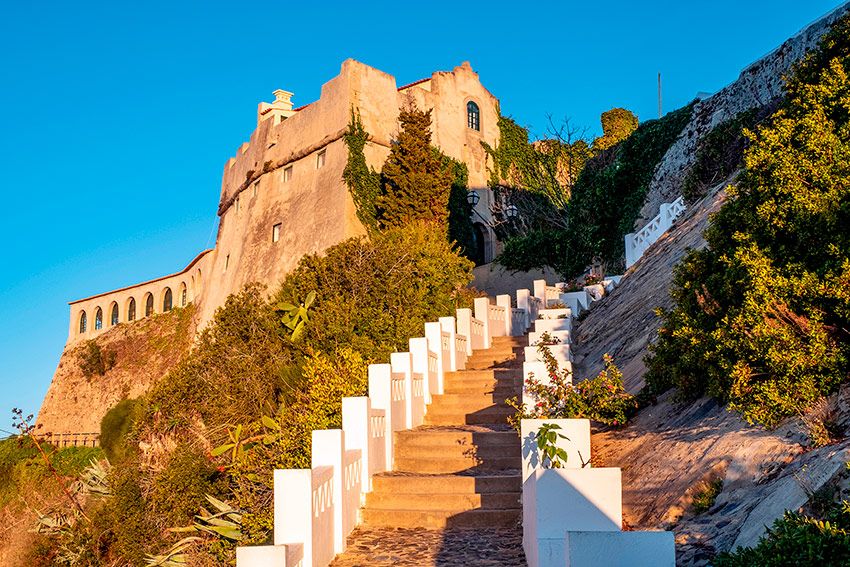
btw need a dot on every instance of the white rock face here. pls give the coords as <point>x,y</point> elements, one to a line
<point>758,85</point>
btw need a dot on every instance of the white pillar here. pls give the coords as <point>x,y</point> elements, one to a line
<point>293,509</point>
<point>464,327</point>
<point>447,324</point>
<point>400,363</point>
<point>482,307</point>
<point>419,364</point>
<point>540,291</point>
<point>355,424</point>
<point>380,392</point>
<point>433,333</point>
<point>505,301</point>
<point>328,451</point>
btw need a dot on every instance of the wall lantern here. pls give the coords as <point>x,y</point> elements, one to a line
<point>472,198</point>
<point>512,212</point>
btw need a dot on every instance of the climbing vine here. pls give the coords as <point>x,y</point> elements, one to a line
<point>363,182</point>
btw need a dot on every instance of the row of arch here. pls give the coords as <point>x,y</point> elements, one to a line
<point>130,311</point>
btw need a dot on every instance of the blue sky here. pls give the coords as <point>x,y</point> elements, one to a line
<point>117,118</point>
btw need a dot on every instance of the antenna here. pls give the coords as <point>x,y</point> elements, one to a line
<point>659,94</point>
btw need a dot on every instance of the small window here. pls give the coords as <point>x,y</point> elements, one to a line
<point>473,116</point>
<point>276,232</point>
<point>183,296</point>
<point>287,173</point>
<point>98,319</point>
<point>113,316</point>
<point>167,300</point>
<point>131,310</point>
<point>226,262</point>
<point>320,159</point>
<point>149,305</point>
<point>84,322</point>
<point>237,204</point>
<point>257,184</point>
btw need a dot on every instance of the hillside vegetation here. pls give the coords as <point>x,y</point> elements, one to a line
<point>761,315</point>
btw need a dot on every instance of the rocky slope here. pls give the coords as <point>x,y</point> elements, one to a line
<point>144,352</point>
<point>758,85</point>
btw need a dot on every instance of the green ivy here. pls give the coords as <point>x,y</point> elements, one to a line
<point>363,182</point>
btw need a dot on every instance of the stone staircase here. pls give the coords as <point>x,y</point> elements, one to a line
<point>461,469</point>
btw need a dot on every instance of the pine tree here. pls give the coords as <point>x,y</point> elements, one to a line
<point>414,184</point>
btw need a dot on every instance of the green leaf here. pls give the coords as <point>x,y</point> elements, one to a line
<point>311,297</point>
<point>218,451</point>
<point>270,423</point>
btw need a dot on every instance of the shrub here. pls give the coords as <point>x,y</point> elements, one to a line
<point>706,495</point>
<point>760,316</point>
<point>617,125</point>
<point>115,426</point>
<point>373,295</point>
<point>95,361</point>
<point>178,491</point>
<point>797,539</point>
<point>602,398</point>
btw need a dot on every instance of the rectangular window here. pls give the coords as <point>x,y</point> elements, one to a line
<point>226,262</point>
<point>237,204</point>
<point>257,184</point>
<point>276,232</point>
<point>320,159</point>
<point>287,174</point>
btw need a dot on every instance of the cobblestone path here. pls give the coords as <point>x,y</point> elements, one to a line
<point>409,547</point>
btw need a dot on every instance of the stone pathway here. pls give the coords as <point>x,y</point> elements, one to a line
<point>452,498</point>
<point>417,547</point>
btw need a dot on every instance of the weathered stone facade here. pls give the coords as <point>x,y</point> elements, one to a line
<point>282,194</point>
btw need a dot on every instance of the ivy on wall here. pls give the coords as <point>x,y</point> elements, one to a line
<point>363,182</point>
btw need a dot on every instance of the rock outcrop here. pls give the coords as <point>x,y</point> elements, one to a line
<point>758,85</point>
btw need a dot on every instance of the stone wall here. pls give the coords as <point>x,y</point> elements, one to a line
<point>758,85</point>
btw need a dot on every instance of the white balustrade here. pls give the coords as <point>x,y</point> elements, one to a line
<point>303,512</point>
<point>419,365</point>
<point>504,301</point>
<point>434,335</point>
<point>461,347</point>
<point>357,427</point>
<point>473,329</point>
<point>482,308</point>
<point>380,393</point>
<point>449,330</point>
<point>637,242</point>
<point>329,451</point>
<point>534,337</point>
<point>403,370</point>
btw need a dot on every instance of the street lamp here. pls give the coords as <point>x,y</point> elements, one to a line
<point>512,212</point>
<point>472,198</point>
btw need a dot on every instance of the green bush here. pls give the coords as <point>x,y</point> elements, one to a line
<point>115,426</point>
<point>797,539</point>
<point>760,315</point>
<point>602,398</point>
<point>373,295</point>
<point>177,492</point>
<point>94,360</point>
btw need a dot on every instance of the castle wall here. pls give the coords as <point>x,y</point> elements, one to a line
<point>189,279</point>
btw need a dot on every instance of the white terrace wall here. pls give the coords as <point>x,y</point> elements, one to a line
<point>638,242</point>
<point>133,303</point>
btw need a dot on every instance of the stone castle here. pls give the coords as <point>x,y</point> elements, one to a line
<point>282,194</point>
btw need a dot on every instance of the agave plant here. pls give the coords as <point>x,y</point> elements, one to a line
<point>295,317</point>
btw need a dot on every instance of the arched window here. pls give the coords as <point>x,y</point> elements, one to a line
<point>473,116</point>
<point>84,322</point>
<point>98,319</point>
<point>149,305</point>
<point>166,300</point>
<point>131,309</point>
<point>184,295</point>
<point>113,316</point>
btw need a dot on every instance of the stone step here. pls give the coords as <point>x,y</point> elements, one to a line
<point>446,483</point>
<point>487,363</point>
<point>456,437</point>
<point>440,519</point>
<point>513,341</point>
<point>508,389</point>
<point>435,463</point>
<point>475,454</point>
<point>423,502</point>
<point>484,374</point>
<point>470,402</point>
<point>496,415</point>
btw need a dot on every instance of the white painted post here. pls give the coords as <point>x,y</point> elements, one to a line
<point>540,290</point>
<point>293,509</point>
<point>482,306</point>
<point>328,451</point>
<point>505,301</point>
<point>419,364</point>
<point>523,301</point>
<point>355,424</point>
<point>401,364</point>
<point>464,327</point>
<point>447,324</point>
<point>380,392</point>
<point>434,335</point>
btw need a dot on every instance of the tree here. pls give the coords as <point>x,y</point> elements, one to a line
<point>617,125</point>
<point>414,184</point>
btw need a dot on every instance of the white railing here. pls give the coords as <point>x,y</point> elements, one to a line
<point>638,242</point>
<point>315,509</point>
